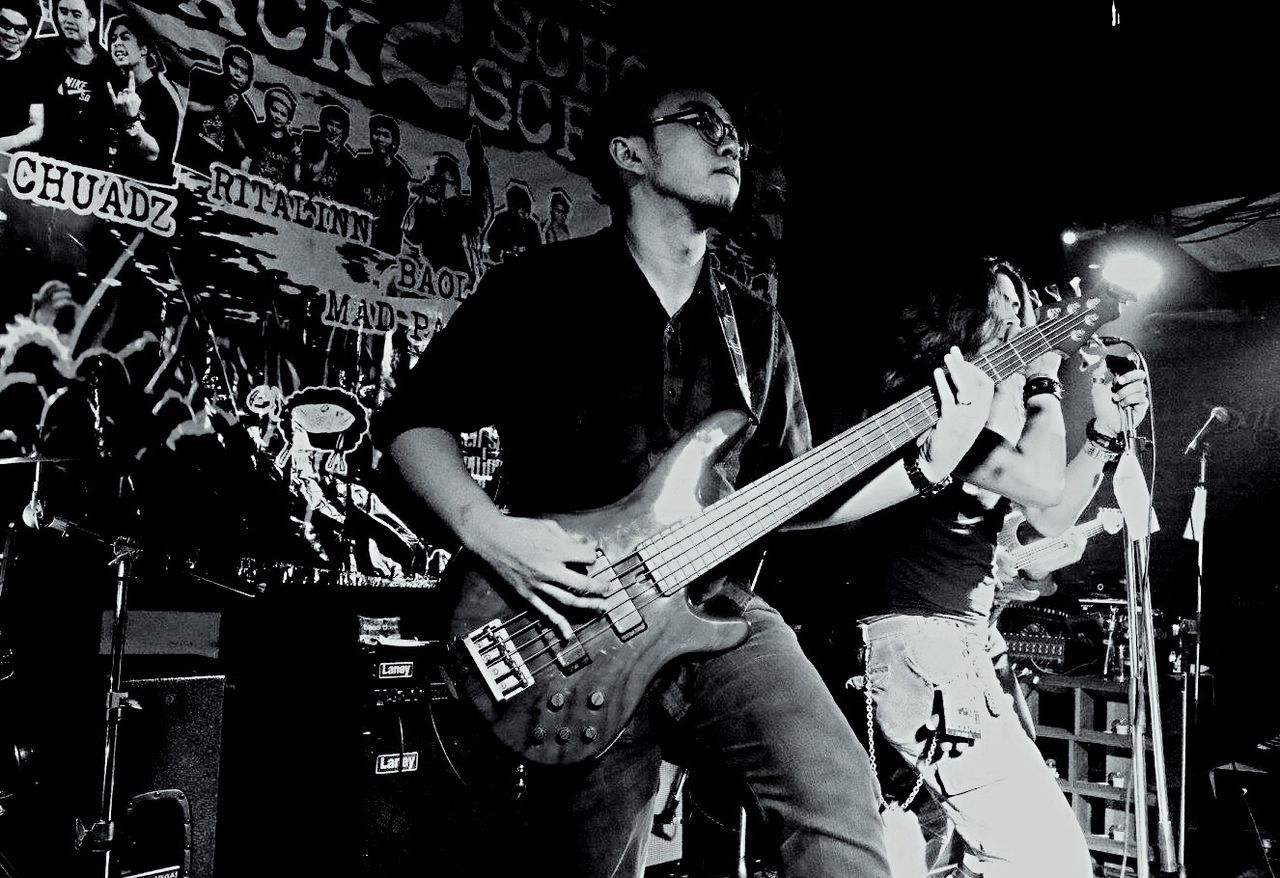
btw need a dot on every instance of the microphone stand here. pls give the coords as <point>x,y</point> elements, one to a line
<point>1203,485</point>
<point>1191,713</point>
<point>1144,686</point>
<point>99,835</point>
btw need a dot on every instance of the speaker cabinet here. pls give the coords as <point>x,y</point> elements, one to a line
<point>168,779</point>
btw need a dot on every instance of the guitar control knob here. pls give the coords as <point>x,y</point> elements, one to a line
<point>562,734</point>
<point>556,701</point>
<point>539,734</point>
<point>589,733</point>
<point>596,700</point>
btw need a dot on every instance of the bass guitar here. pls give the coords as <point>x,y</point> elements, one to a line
<point>554,702</point>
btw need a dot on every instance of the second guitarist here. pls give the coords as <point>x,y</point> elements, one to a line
<point>927,673</point>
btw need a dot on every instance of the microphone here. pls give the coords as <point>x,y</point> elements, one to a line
<point>33,513</point>
<point>1217,413</point>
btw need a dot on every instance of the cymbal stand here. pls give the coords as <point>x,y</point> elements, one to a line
<point>98,836</point>
<point>1144,689</point>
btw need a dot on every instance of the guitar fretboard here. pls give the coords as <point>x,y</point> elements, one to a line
<point>687,549</point>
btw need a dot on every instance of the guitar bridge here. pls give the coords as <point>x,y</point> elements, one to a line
<point>504,670</point>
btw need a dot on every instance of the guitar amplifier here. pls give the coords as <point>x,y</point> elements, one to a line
<point>1048,651</point>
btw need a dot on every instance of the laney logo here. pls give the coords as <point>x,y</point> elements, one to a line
<point>166,872</point>
<point>394,669</point>
<point>395,763</point>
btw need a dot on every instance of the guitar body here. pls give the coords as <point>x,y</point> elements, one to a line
<point>557,703</point>
<point>579,697</point>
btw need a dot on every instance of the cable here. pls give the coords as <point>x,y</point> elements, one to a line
<point>444,749</point>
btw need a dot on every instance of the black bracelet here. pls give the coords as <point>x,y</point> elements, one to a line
<point>1114,444</point>
<point>1041,384</point>
<point>919,480</point>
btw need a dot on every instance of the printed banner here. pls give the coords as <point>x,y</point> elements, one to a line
<point>230,226</point>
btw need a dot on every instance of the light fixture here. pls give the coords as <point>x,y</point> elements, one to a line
<point>1132,271</point>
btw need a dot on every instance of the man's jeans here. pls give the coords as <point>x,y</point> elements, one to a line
<point>760,711</point>
<point>998,792</point>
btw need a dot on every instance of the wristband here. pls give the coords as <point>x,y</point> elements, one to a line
<point>1113,444</point>
<point>1097,452</point>
<point>919,480</point>
<point>1041,384</point>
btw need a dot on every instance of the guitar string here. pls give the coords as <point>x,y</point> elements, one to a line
<point>1004,360</point>
<point>1042,548</point>
<point>604,628</point>
<point>996,361</point>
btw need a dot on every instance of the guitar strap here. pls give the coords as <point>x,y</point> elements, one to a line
<point>729,328</point>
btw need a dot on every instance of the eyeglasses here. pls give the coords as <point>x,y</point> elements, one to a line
<point>708,123</point>
<point>18,30</point>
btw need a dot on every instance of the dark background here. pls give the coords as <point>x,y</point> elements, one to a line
<point>907,133</point>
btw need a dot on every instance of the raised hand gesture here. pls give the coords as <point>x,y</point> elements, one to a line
<point>126,101</point>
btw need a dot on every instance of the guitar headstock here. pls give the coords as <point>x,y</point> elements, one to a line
<point>1068,317</point>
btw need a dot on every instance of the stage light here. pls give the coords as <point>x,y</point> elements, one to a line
<point>1133,272</point>
<point>1070,236</point>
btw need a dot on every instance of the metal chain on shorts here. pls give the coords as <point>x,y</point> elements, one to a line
<point>871,755</point>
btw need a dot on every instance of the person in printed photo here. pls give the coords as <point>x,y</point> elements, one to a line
<point>21,104</point>
<point>79,112</point>
<point>146,106</point>
<point>220,121</point>
<point>275,152</point>
<point>324,157</point>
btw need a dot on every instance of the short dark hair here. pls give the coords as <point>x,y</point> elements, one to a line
<point>237,51</point>
<point>141,34</point>
<point>386,123</point>
<point>624,111</point>
<point>517,196</point>
<point>93,7</point>
<point>446,164</point>
<point>336,112</point>
<point>28,9</point>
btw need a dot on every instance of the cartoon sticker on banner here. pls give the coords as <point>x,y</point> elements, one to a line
<point>265,403</point>
<point>322,425</point>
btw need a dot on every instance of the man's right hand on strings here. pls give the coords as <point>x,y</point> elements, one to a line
<point>537,557</point>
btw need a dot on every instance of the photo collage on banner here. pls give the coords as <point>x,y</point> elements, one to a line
<point>230,226</point>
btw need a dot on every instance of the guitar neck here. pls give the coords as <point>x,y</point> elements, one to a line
<point>689,548</point>
<point>1041,548</point>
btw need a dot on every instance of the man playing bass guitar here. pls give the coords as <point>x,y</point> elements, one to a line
<point>593,357</point>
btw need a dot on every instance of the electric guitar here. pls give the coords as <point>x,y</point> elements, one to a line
<point>1026,554</point>
<point>554,702</point>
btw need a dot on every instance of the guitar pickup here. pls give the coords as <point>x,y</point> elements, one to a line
<point>625,615</point>
<point>498,661</point>
<point>570,655</point>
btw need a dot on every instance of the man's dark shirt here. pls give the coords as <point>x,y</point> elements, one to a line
<point>444,230</point>
<point>383,190</point>
<point>337,164</point>
<point>78,110</point>
<point>19,89</point>
<point>570,354</point>
<point>159,114</point>
<point>210,136</point>
<point>273,157</point>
